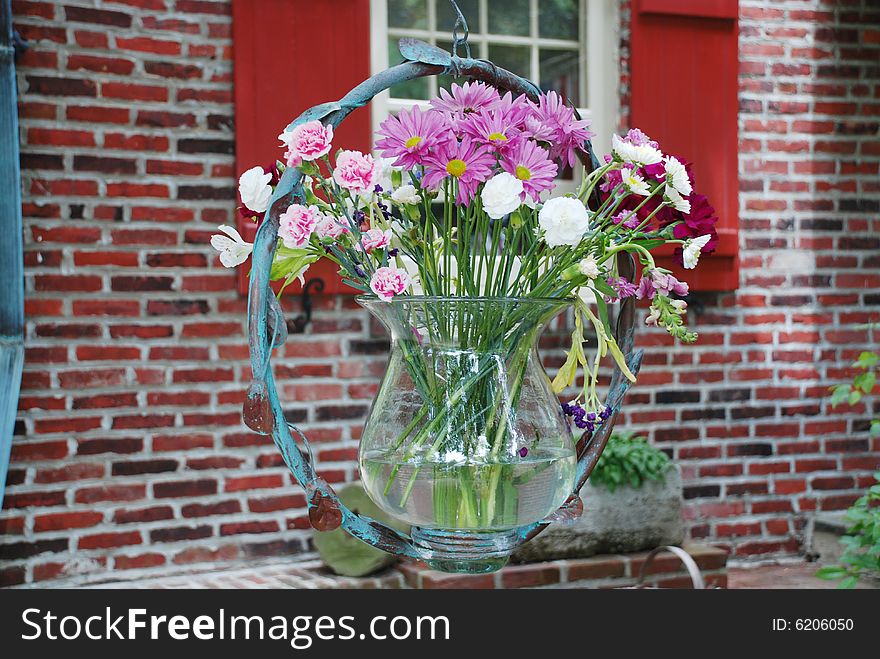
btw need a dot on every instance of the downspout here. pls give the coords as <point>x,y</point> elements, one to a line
<point>11,262</point>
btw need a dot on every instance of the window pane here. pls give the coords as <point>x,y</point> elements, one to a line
<point>559,19</point>
<point>446,17</point>
<point>513,58</point>
<point>417,88</point>
<point>408,13</point>
<point>560,71</point>
<point>509,17</point>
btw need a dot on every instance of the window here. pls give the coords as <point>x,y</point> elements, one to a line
<point>566,45</point>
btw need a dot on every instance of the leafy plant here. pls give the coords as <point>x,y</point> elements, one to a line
<point>629,460</point>
<point>861,553</point>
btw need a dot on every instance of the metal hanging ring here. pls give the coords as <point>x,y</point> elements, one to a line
<point>460,21</point>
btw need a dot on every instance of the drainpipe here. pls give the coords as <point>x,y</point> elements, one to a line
<point>11,266</point>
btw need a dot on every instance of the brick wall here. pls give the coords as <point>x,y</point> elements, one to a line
<point>745,411</point>
<point>129,453</point>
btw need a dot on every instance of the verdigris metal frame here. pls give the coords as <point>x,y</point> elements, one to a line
<point>262,409</point>
<point>11,260</point>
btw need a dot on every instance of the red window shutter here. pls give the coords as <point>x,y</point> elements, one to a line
<point>684,69</point>
<point>288,56</point>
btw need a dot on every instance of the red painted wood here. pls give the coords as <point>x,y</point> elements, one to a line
<point>684,95</point>
<point>289,56</point>
<point>703,8</point>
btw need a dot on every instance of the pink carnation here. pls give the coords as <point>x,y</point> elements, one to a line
<point>296,224</point>
<point>356,172</point>
<point>329,227</point>
<point>388,282</point>
<point>375,239</point>
<point>308,141</point>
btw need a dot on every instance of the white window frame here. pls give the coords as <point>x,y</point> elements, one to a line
<point>602,69</point>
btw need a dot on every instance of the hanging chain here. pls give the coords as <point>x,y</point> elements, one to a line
<point>457,40</point>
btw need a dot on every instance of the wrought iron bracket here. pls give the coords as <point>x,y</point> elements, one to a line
<point>298,324</point>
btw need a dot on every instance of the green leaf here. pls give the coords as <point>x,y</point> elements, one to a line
<point>288,261</point>
<point>831,572</point>
<point>602,286</point>
<point>849,582</point>
<point>865,381</point>
<point>854,397</point>
<point>648,244</point>
<point>602,307</point>
<point>875,428</point>
<point>867,360</point>
<point>839,394</point>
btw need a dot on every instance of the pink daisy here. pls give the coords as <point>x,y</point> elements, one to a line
<point>551,116</point>
<point>465,99</point>
<point>515,108</point>
<point>492,128</point>
<point>411,134</point>
<point>466,162</point>
<point>532,165</point>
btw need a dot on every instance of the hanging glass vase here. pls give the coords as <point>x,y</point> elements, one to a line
<point>465,436</point>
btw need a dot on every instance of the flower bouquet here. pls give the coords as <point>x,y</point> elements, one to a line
<point>461,247</point>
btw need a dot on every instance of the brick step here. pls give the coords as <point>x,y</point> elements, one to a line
<point>602,571</point>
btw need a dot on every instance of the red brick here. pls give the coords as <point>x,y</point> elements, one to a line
<point>139,561</point>
<point>64,521</point>
<point>253,483</point>
<point>109,540</point>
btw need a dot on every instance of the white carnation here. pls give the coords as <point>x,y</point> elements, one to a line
<point>564,221</point>
<point>501,195</point>
<point>676,176</point>
<point>643,154</point>
<point>588,267</point>
<point>254,189</point>
<point>406,194</point>
<point>692,250</point>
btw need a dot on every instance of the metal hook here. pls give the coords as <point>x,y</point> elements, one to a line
<point>298,325</point>
<point>460,21</point>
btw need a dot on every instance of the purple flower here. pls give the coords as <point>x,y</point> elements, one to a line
<point>656,170</point>
<point>638,138</point>
<point>492,128</point>
<point>411,134</point>
<point>464,100</point>
<point>465,162</point>
<point>515,108</point>
<point>627,218</point>
<point>654,282</point>
<point>523,452</point>
<point>699,222</point>
<point>622,286</point>
<point>557,125</point>
<point>530,164</point>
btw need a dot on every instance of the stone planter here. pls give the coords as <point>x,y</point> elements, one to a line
<point>626,520</point>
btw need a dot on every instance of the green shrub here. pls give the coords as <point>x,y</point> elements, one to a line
<point>629,460</point>
<point>861,554</point>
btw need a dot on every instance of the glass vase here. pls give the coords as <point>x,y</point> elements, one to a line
<point>466,440</point>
